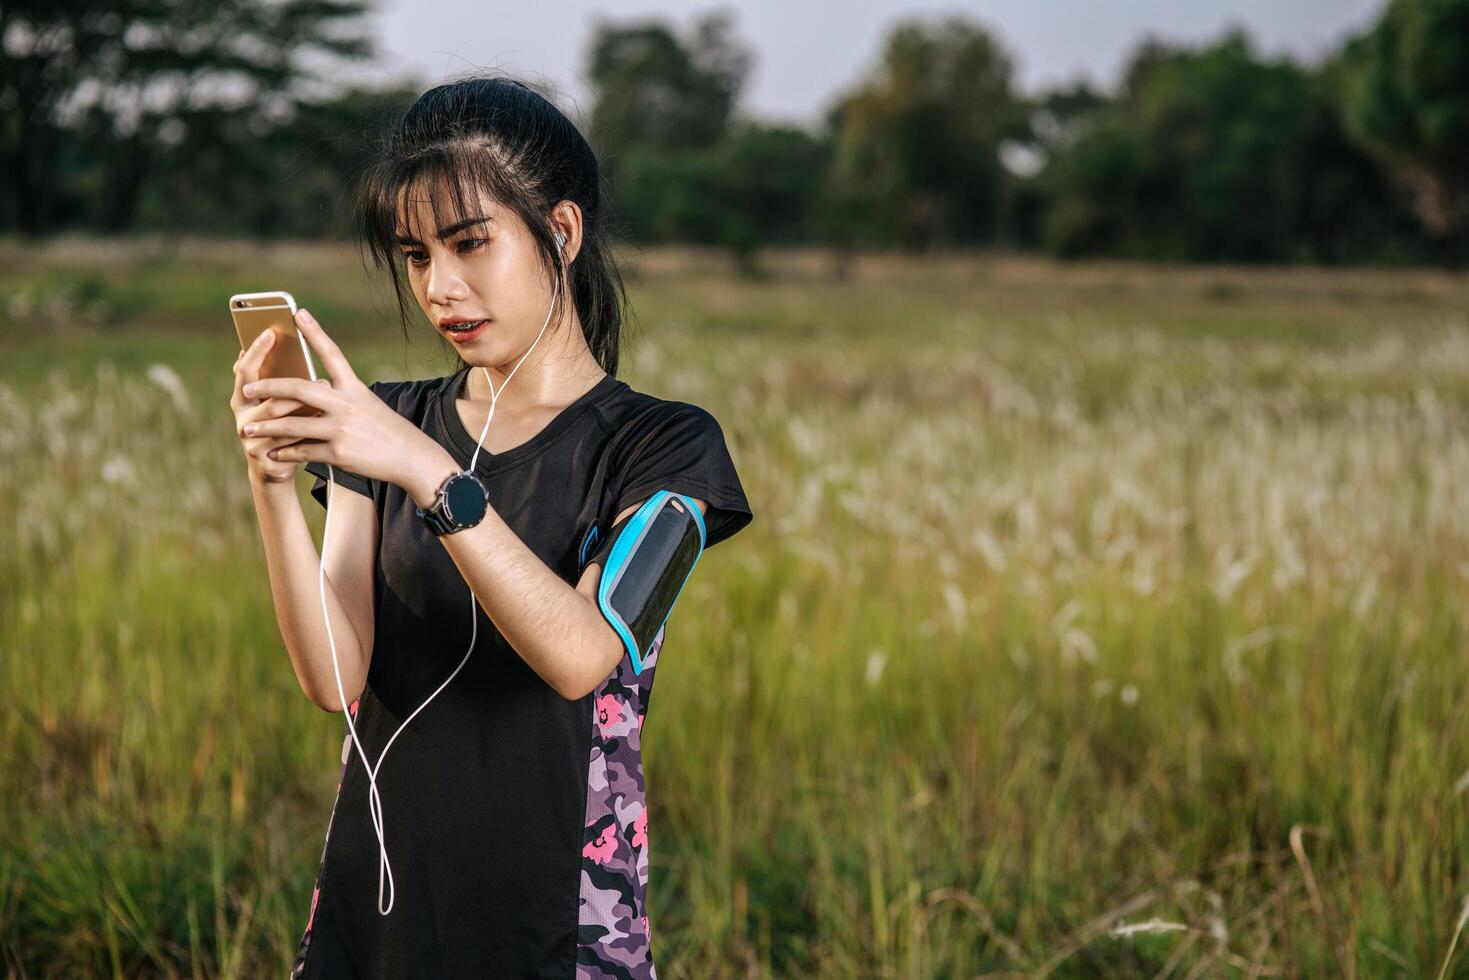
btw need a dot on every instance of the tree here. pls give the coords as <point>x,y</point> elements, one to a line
<point>292,178</point>
<point>656,92</point>
<point>1213,153</point>
<point>125,78</point>
<point>1060,115</point>
<point>917,145</point>
<point>1404,92</point>
<point>754,186</point>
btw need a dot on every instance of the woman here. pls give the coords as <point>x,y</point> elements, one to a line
<point>513,804</point>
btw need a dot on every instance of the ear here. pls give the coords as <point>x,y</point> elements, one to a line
<point>566,220</point>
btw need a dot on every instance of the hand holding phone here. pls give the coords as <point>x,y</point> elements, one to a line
<point>254,314</point>
<point>351,428</point>
<point>246,410</point>
<point>270,347</point>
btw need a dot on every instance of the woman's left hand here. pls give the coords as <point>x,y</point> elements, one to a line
<point>356,429</point>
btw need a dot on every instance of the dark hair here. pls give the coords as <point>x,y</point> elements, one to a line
<point>496,134</point>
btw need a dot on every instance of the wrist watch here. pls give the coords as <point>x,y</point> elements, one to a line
<point>461,503</point>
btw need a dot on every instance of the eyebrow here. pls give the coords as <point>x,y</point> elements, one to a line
<point>444,233</point>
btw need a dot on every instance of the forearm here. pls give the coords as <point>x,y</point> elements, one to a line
<point>293,565</point>
<point>553,627</point>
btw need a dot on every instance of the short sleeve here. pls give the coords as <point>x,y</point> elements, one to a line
<point>345,479</point>
<point>685,452</point>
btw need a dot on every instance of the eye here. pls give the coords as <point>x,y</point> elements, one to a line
<point>471,243</point>
<point>416,257</point>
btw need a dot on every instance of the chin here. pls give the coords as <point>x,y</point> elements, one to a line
<point>487,356</point>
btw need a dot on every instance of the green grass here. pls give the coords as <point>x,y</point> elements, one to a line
<point>1077,598</point>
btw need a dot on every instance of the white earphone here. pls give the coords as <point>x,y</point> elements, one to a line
<point>374,800</point>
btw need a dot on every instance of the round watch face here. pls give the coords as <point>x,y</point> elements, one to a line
<point>464,500</point>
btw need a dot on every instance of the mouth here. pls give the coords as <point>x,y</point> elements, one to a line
<point>462,332</point>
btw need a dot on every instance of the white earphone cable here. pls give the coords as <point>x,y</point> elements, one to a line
<point>374,802</point>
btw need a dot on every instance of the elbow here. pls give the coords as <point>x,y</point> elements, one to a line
<point>328,701</point>
<point>576,689</point>
<point>573,694</point>
<point>579,687</point>
<point>601,658</point>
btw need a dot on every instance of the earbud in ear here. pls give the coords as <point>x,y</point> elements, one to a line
<point>560,240</point>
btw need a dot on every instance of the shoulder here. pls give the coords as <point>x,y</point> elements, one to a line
<point>668,444</point>
<point>636,417</point>
<point>646,433</point>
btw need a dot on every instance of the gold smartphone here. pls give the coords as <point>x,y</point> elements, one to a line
<point>255,313</point>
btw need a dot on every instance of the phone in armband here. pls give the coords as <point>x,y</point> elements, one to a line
<point>649,557</point>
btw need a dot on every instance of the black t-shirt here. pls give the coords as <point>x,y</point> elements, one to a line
<point>516,821</point>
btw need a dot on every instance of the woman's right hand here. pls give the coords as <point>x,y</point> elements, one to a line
<point>262,468</point>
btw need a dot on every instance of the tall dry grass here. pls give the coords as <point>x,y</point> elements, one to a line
<point>1099,620</point>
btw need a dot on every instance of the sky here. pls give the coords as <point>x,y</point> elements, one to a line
<point>807,51</point>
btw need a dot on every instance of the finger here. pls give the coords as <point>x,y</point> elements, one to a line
<point>259,447</point>
<point>299,452</point>
<point>255,356</point>
<point>240,357</point>
<point>331,355</point>
<point>304,391</point>
<point>268,409</point>
<point>294,426</point>
<point>260,346</point>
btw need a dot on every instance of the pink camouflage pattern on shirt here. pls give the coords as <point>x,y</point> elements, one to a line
<point>614,938</point>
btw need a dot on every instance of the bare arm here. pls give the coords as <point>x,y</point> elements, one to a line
<point>295,587</point>
<point>291,559</point>
<point>557,629</point>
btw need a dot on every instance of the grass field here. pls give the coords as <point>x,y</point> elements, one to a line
<point>1096,620</point>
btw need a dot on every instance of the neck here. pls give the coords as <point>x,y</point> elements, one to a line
<point>558,370</point>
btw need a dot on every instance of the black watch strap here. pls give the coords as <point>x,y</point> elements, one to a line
<point>437,521</point>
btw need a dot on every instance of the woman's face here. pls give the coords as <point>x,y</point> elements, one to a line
<point>479,266</point>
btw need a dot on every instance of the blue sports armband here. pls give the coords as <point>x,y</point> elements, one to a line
<point>649,557</point>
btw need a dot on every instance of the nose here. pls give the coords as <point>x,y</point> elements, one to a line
<point>444,284</point>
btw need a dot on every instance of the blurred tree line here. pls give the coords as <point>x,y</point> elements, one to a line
<point>222,117</point>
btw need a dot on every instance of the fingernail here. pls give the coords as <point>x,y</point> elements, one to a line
<point>250,429</point>
<point>306,315</point>
<point>249,390</point>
